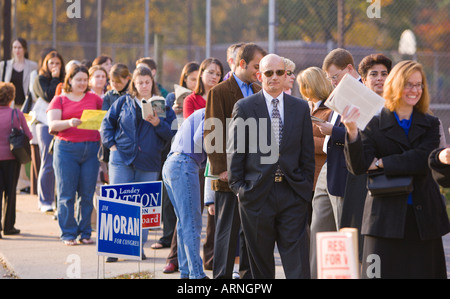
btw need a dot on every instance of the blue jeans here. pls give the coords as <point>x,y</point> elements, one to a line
<point>46,178</point>
<point>120,173</point>
<point>180,175</point>
<point>76,169</point>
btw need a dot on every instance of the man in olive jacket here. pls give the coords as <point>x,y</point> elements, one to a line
<point>219,106</point>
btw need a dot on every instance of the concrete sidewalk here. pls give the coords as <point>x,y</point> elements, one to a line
<point>38,253</point>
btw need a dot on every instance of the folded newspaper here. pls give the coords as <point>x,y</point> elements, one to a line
<point>350,92</point>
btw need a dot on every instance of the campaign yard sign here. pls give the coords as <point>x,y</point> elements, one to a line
<point>119,229</point>
<point>337,254</point>
<point>148,194</point>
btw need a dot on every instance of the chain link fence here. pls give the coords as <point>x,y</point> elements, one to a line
<point>305,31</point>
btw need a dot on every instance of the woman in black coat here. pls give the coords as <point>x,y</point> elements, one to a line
<point>403,233</point>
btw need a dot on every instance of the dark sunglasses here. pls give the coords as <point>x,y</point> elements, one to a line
<point>279,73</point>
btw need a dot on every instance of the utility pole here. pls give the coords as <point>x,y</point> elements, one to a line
<point>6,29</point>
<point>272,26</point>
<point>341,24</point>
<point>208,28</point>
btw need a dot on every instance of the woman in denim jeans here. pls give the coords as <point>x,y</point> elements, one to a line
<point>74,156</point>
<point>136,144</point>
<point>181,178</point>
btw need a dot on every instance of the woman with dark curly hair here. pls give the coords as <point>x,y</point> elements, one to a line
<point>9,167</point>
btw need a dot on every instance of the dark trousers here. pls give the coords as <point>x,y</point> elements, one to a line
<point>9,175</point>
<point>282,219</point>
<point>226,238</point>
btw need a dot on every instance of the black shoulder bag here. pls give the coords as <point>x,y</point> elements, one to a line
<point>19,143</point>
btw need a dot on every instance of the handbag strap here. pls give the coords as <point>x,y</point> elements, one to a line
<point>14,111</point>
<point>4,70</point>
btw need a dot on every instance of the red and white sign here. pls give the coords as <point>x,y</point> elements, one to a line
<point>337,255</point>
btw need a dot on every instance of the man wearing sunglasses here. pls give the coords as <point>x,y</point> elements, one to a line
<point>219,106</point>
<point>273,196</point>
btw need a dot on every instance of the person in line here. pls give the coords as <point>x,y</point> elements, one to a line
<point>106,62</point>
<point>51,74</point>
<point>231,59</point>
<point>120,78</point>
<point>290,73</point>
<point>35,153</point>
<point>188,80</point>
<point>439,162</point>
<point>75,156</point>
<point>219,106</point>
<point>151,63</point>
<point>210,74</point>
<point>136,144</point>
<point>273,196</point>
<point>97,80</point>
<point>404,231</point>
<point>181,173</point>
<point>9,167</point>
<point>374,70</point>
<point>17,71</point>
<point>316,88</point>
<point>331,183</point>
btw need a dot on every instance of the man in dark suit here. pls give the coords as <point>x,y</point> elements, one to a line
<point>219,106</point>
<point>273,186</point>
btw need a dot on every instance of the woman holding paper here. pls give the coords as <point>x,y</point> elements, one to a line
<point>136,143</point>
<point>75,156</point>
<point>402,232</point>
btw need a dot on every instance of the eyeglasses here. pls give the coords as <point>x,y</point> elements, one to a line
<point>335,77</point>
<point>290,73</point>
<point>279,73</point>
<point>418,86</point>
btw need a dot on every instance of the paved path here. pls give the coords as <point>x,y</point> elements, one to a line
<point>37,252</point>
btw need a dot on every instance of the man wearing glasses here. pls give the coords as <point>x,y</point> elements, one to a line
<point>331,184</point>
<point>273,196</point>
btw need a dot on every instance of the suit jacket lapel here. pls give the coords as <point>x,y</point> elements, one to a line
<point>389,124</point>
<point>235,90</point>
<point>289,115</point>
<point>261,112</point>
<point>418,125</point>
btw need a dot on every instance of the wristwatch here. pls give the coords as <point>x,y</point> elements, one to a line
<point>377,163</point>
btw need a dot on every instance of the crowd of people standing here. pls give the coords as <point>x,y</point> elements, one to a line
<point>317,183</point>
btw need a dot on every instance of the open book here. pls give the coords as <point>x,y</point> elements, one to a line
<point>350,92</point>
<point>155,104</point>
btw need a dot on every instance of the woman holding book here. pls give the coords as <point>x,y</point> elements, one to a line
<point>136,143</point>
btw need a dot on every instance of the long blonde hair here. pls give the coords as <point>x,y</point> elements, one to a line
<point>313,83</point>
<point>395,84</point>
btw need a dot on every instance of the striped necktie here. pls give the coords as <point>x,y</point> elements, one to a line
<point>277,124</point>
